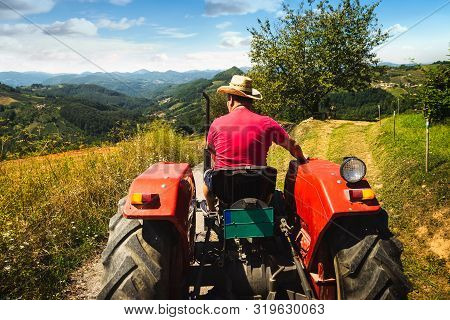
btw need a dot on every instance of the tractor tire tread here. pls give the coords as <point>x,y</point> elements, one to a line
<point>137,259</point>
<point>371,269</point>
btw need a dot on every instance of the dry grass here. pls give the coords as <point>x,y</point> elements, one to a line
<point>54,210</point>
<point>6,101</point>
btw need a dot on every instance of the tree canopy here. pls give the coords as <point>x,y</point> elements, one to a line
<point>311,51</point>
<point>434,95</point>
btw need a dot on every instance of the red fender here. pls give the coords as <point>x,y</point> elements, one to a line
<point>321,195</point>
<point>172,186</point>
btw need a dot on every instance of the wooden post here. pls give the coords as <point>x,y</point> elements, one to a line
<point>394,126</point>
<point>379,114</point>
<point>427,144</point>
<point>398,105</point>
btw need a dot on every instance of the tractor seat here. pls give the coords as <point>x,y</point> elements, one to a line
<point>233,184</point>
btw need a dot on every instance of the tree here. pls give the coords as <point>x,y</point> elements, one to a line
<point>434,95</point>
<point>218,105</point>
<point>312,51</point>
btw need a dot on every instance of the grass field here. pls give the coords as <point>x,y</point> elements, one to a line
<point>417,202</point>
<point>54,210</point>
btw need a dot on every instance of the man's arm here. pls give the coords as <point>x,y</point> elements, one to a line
<point>294,148</point>
<point>282,138</point>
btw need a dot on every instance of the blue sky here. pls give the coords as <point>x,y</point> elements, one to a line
<point>128,35</point>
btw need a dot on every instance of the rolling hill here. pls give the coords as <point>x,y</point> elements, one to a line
<point>42,119</point>
<point>141,83</point>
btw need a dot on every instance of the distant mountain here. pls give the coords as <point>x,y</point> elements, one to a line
<point>245,69</point>
<point>141,83</point>
<point>394,65</point>
<point>15,79</point>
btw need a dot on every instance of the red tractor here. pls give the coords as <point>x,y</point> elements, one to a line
<point>324,237</point>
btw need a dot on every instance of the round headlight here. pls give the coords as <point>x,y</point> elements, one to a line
<point>353,169</point>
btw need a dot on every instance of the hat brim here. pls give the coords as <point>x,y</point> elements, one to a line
<point>256,95</point>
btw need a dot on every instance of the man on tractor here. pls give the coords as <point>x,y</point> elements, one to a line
<point>242,137</point>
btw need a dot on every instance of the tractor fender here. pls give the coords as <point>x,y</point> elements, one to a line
<point>172,187</point>
<point>317,193</point>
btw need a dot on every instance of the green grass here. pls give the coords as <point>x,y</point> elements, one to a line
<point>54,210</point>
<point>417,201</point>
<point>397,92</point>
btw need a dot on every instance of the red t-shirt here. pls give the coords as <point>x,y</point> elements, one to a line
<point>243,138</point>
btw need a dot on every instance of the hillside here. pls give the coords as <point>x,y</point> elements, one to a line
<point>183,104</point>
<point>42,119</point>
<point>88,92</point>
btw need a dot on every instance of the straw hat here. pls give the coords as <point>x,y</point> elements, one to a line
<point>241,86</point>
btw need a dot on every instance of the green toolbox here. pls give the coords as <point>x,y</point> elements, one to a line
<point>248,223</point>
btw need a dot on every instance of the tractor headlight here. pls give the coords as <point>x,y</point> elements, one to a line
<point>353,169</point>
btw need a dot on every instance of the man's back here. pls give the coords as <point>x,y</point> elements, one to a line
<point>243,138</point>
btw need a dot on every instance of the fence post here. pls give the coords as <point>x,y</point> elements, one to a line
<point>379,114</point>
<point>398,105</point>
<point>427,144</point>
<point>394,126</point>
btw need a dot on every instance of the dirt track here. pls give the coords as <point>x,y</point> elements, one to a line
<point>86,281</point>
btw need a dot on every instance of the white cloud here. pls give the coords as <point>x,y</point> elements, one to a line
<point>21,28</point>
<point>215,60</point>
<point>174,33</point>
<point>122,24</point>
<point>234,39</point>
<point>396,29</point>
<point>223,25</point>
<point>120,2</point>
<point>215,8</point>
<point>41,52</point>
<point>23,47</point>
<point>74,26</point>
<point>160,57</point>
<point>26,7</point>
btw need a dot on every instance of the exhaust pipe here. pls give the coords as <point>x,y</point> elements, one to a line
<point>206,153</point>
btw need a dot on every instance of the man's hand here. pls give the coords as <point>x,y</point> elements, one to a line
<point>303,159</point>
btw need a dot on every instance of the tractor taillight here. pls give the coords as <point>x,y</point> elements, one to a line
<point>361,194</point>
<point>144,198</point>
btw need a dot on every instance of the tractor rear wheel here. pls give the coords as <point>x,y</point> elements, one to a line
<point>139,260</point>
<point>370,269</point>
